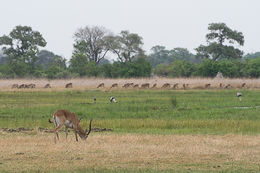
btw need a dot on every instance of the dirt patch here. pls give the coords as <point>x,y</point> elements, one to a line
<point>20,129</point>
<point>46,130</point>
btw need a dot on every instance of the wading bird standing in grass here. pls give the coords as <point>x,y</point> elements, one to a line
<point>239,95</point>
<point>112,99</point>
<point>69,120</point>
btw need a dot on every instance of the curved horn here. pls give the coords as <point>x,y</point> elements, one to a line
<point>89,128</point>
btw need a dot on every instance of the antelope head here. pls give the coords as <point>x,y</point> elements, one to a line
<point>84,136</point>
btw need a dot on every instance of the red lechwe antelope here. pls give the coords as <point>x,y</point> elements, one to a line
<point>69,120</point>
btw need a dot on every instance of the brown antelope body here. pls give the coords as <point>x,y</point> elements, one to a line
<point>115,85</point>
<point>102,85</point>
<point>68,85</point>
<point>47,85</point>
<point>127,85</point>
<point>136,86</point>
<point>175,86</point>
<point>154,85</point>
<point>166,85</point>
<point>145,85</point>
<point>185,86</point>
<point>31,85</point>
<point>207,85</point>
<point>69,120</point>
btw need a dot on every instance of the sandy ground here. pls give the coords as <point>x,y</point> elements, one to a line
<point>89,83</point>
<point>23,152</point>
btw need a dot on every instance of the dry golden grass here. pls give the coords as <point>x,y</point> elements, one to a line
<point>22,152</point>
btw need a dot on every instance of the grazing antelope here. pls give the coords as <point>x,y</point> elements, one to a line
<point>145,85</point>
<point>221,85</point>
<point>131,84</point>
<point>114,85</point>
<point>136,86</point>
<point>68,85</point>
<point>26,86</point>
<point>127,85</point>
<point>15,86</point>
<point>22,86</point>
<point>243,85</point>
<point>185,86</point>
<point>101,85</point>
<point>166,85</point>
<point>207,85</point>
<point>175,86</point>
<point>47,85</point>
<point>31,85</point>
<point>69,120</point>
<point>154,85</point>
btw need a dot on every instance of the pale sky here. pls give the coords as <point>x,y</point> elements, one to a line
<point>170,23</point>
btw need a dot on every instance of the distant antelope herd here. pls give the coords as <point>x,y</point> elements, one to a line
<point>144,86</point>
<point>168,86</point>
<point>68,85</point>
<point>24,86</point>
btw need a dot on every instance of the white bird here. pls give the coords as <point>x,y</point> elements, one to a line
<point>239,95</point>
<point>112,99</point>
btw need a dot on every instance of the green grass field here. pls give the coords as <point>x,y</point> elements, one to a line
<point>142,111</point>
<point>153,131</point>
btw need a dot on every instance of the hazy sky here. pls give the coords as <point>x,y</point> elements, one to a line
<point>171,23</point>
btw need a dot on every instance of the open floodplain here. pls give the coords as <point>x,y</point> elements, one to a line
<point>147,130</point>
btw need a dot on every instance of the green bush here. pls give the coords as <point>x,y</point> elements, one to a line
<point>208,68</point>
<point>178,68</point>
<point>253,67</point>
<point>138,68</point>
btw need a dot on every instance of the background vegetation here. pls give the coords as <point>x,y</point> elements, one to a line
<point>95,47</point>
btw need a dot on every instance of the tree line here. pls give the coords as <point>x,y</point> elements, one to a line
<point>20,56</point>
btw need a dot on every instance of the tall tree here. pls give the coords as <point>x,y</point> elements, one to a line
<point>89,42</point>
<point>21,46</point>
<point>183,54</point>
<point>159,55</point>
<point>220,41</point>
<point>126,46</point>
